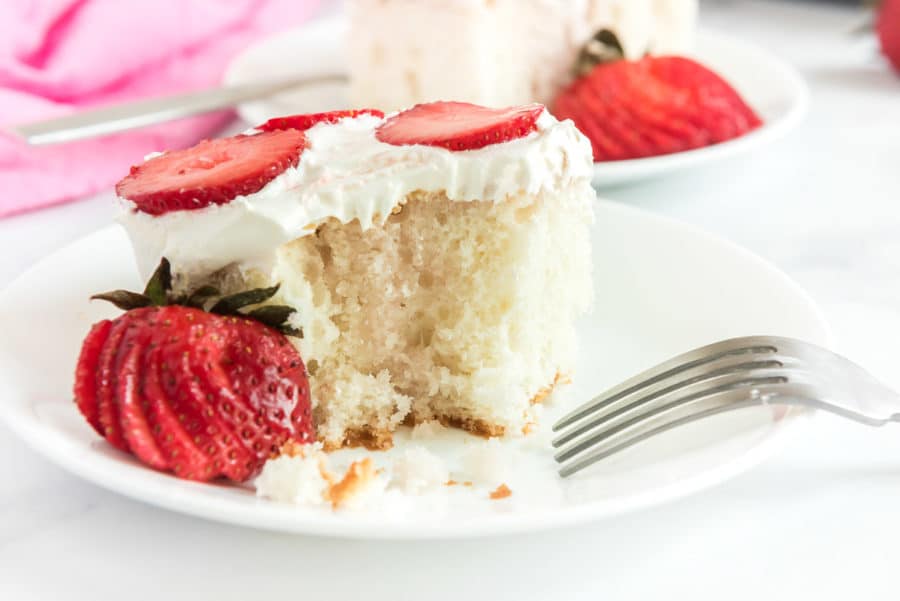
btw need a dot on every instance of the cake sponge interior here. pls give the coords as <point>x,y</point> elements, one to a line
<point>456,311</point>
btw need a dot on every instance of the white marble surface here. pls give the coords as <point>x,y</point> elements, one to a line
<point>820,521</point>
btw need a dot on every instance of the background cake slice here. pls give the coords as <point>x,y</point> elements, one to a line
<point>437,260</point>
<point>494,52</point>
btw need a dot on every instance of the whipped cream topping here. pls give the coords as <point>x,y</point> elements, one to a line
<point>347,173</point>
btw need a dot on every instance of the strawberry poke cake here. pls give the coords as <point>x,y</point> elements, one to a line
<point>332,277</point>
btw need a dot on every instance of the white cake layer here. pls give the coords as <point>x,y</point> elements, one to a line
<point>494,52</point>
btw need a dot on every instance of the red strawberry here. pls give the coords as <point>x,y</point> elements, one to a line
<point>459,125</point>
<point>132,399</point>
<point>653,106</point>
<point>212,172</point>
<point>108,412</point>
<point>304,122</point>
<point>888,27</point>
<point>202,394</point>
<point>181,332</point>
<point>184,457</point>
<point>85,371</point>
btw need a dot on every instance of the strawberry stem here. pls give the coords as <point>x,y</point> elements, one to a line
<point>229,305</point>
<point>158,293</point>
<point>604,47</point>
<point>159,285</point>
<point>124,299</point>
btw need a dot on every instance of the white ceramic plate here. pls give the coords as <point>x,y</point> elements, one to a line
<point>662,287</point>
<point>772,87</point>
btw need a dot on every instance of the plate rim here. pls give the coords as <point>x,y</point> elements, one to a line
<point>613,174</point>
<point>111,475</point>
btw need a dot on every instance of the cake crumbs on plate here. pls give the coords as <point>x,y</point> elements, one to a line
<point>359,475</point>
<point>501,492</point>
<point>559,379</point>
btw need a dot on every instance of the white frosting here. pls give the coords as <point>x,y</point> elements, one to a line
<point>347,173</point>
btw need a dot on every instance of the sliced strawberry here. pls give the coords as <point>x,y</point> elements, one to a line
<point>258,384</point>
<point>257,433</point>
<point>86,373</point>
<point>107,409</point>
<point>233,459</point>
<point>184,457</point>
<point>132,400</point>
<point>304,122</point>
<point>212,172</point>
<point>459,125</point>
<point>268,370</point>
<point>201,394</point>
<point>179,331</point>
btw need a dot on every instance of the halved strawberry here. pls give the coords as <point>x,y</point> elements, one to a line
<point>132,400</point>
<point>304,122</point>
<point>459,125</point>
<point>85,389</point>
<point>212,172</point>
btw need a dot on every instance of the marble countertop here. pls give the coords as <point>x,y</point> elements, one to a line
<point>820,520</point>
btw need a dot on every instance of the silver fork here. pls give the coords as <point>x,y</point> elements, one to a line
<point>724,376</point>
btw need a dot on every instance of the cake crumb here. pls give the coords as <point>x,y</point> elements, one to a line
<point>451,483</point>
<point>292,448</point>
<point>297,475</point>
<point>528,428</point>
<point>501,492</point>
<point>418,471</point>
<point>543,393</point>
<point>359,475</point>
<point>486,463</point>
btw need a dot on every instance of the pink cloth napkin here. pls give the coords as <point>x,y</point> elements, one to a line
<point>57,56</point>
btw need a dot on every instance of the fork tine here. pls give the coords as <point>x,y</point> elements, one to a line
<point>698,394</point>
<point>735,349</point>
<point>720,402</point>
<point>629,403</point>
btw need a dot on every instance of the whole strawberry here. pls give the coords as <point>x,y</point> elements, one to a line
<point>201,394</point>
<point>653,106</point>
<point>888,27</point>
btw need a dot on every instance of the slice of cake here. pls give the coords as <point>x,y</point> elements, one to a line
<point>436,259</point>
<point>494,52</point>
